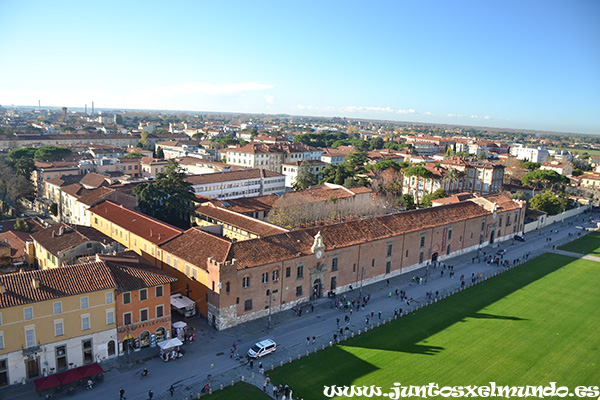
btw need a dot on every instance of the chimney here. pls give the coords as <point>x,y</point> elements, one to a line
<point>61,230</point>
<point>36,283</point>
<point>2,288</point>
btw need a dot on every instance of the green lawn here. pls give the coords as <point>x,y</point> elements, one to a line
<point>589,244</point>
<point>591,152</point>
<point>535,324</point>
<point>239,391</point>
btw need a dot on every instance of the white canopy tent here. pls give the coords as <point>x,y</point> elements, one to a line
<point>167,344</point>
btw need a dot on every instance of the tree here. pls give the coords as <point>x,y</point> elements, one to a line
<point>25,152</point>
<point>159,153</point>
<point>133,155</point>
<point>531,165</point>
<point>376,143</point>
<point>21,226</point>
<point>438,194</point>
<point>51,153</point>
<point>144,143</point>
<point>355,159</point>
<point>53,209</point>
<point>420,173</point>
<point>548,202</point>
<point>305,177</point>
<point>408,201</point>
<point>168,197</point>
<point>544,178</point>
<point>452,178</point>
<point>519,195</point>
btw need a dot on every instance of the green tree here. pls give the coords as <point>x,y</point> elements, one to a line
<point>531,165</point>
<point>548,202</point>
<point>21,226</point>
<point>305,177</point>
<point>24,152</point>
<point>421,173</point>
<point>51,153</point>
<point>426,201</point>
<point>168,197</point>
<point>547,179</point>
<point>452,177</point>
<point>133,155</point>
<point>144,143</point>
<point>159,153</point>
<point>438,194</point>
<point>376,143</point>
<point>408,201</point>
<point>53,209</point>
<point>519,195</point>
<point>355,159</point>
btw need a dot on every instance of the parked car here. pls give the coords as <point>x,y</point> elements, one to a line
<point>519,238</point>
<point>262,348</point>
<point>500,252</point>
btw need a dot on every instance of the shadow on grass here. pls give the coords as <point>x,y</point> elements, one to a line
<point>406,334</point>
<point>335,366</point>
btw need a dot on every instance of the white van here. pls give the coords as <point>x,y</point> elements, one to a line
<point>262,348</point>
<point>183,305</point>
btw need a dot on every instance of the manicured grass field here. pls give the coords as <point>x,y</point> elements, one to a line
<point>535,324</point>
<point>239,391</point>
<point>589,244</point>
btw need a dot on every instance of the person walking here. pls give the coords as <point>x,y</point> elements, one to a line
<point>122,394</point>
<point>150,394</point>
<point>172,390</point>
<point>307,340</point>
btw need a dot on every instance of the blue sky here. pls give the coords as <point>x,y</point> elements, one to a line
<point>514,64</point>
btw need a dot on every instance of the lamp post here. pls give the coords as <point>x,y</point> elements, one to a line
<point>362,274</point>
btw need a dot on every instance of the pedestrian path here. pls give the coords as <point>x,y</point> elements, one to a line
<point>576,255</point>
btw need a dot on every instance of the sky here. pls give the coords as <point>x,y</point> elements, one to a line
<point>523,64</point>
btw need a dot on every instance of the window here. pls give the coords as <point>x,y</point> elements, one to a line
<point>449,234</point>
<point>1,340</point>
<point>85,322</point>
<point>88,246</point>
<point>29,337</point>
<point>389,249</point>
<point>288,272</point>
<point>246,282</point>
<point>88,355</point>
<point>406,253</point>
<point>300,272</point>
<point>143,294</point>
<point>276,275</point>
<point>158,291</point>
<point>144,314</point>
<point>420,257</point>
<point>174,263</point>
<point>248,305</point>
<point>28,313</point>
<point>500,224</point>
<point>227,287</point>
<point>0,318</point>
<point>84,302</point>
<point>388,267</point>
<point>422,244</point>
<point>334,264</point>
<point>298,291</point>
<point>59,328</point>
<point>507,220</point>
<point>58,307</point>
<point>110,317</point>
<point>127,298</point>
<point>265,277</point>
<point>127,318</point>
<point>108,297</point>
<point>482,225</point>
<point>160,311</point>
<point>373,263</point>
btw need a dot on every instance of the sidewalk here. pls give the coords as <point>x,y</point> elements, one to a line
<point>209,353</point>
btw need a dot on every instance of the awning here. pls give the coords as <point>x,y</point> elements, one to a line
<point>68,376</point>
<point>47,382</point>
<point>167,344</point>
<point>179,324</point>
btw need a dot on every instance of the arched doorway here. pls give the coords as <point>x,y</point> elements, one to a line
<point>111,348</point>
<point>317,289</point>
<point>160,334</point>
<point>128,344</point>
<point>434,257</point>
<point>492,236</point>
<point>145,339</point>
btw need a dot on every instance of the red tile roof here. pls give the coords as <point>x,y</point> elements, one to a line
<point>54,241</point>
<point>284,246</point>
<point>93,180</point>
<point>140,224</point>
<point>241,221</point>
<point>196,246</point>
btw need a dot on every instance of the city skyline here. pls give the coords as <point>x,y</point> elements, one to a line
<point>509,65</point>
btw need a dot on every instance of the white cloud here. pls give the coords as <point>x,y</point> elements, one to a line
<point>269,99</point>
<point>487,117</point>
<point>411,111</point>
<point>353,109</point>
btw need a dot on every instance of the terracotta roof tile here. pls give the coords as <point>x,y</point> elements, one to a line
<point>53,241</point>
<point>289,245</point>
<point>140,224</point>
<point>93,180</point>
<point>241,221</point>
<point>196,246</point>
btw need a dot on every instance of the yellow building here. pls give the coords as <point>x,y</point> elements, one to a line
<point>134,230</point>
<point>55,319</point>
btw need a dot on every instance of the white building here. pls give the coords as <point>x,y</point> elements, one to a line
<point>533,154</point>
<point>290,170</point>
<point>270,156</point>
<point>237,184</point>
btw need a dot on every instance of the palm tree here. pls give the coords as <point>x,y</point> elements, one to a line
<point>451,177</point>
<point>419,172</point>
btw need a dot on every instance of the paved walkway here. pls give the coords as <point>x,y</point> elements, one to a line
<point>576,255</point>
<point>209,354</point>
